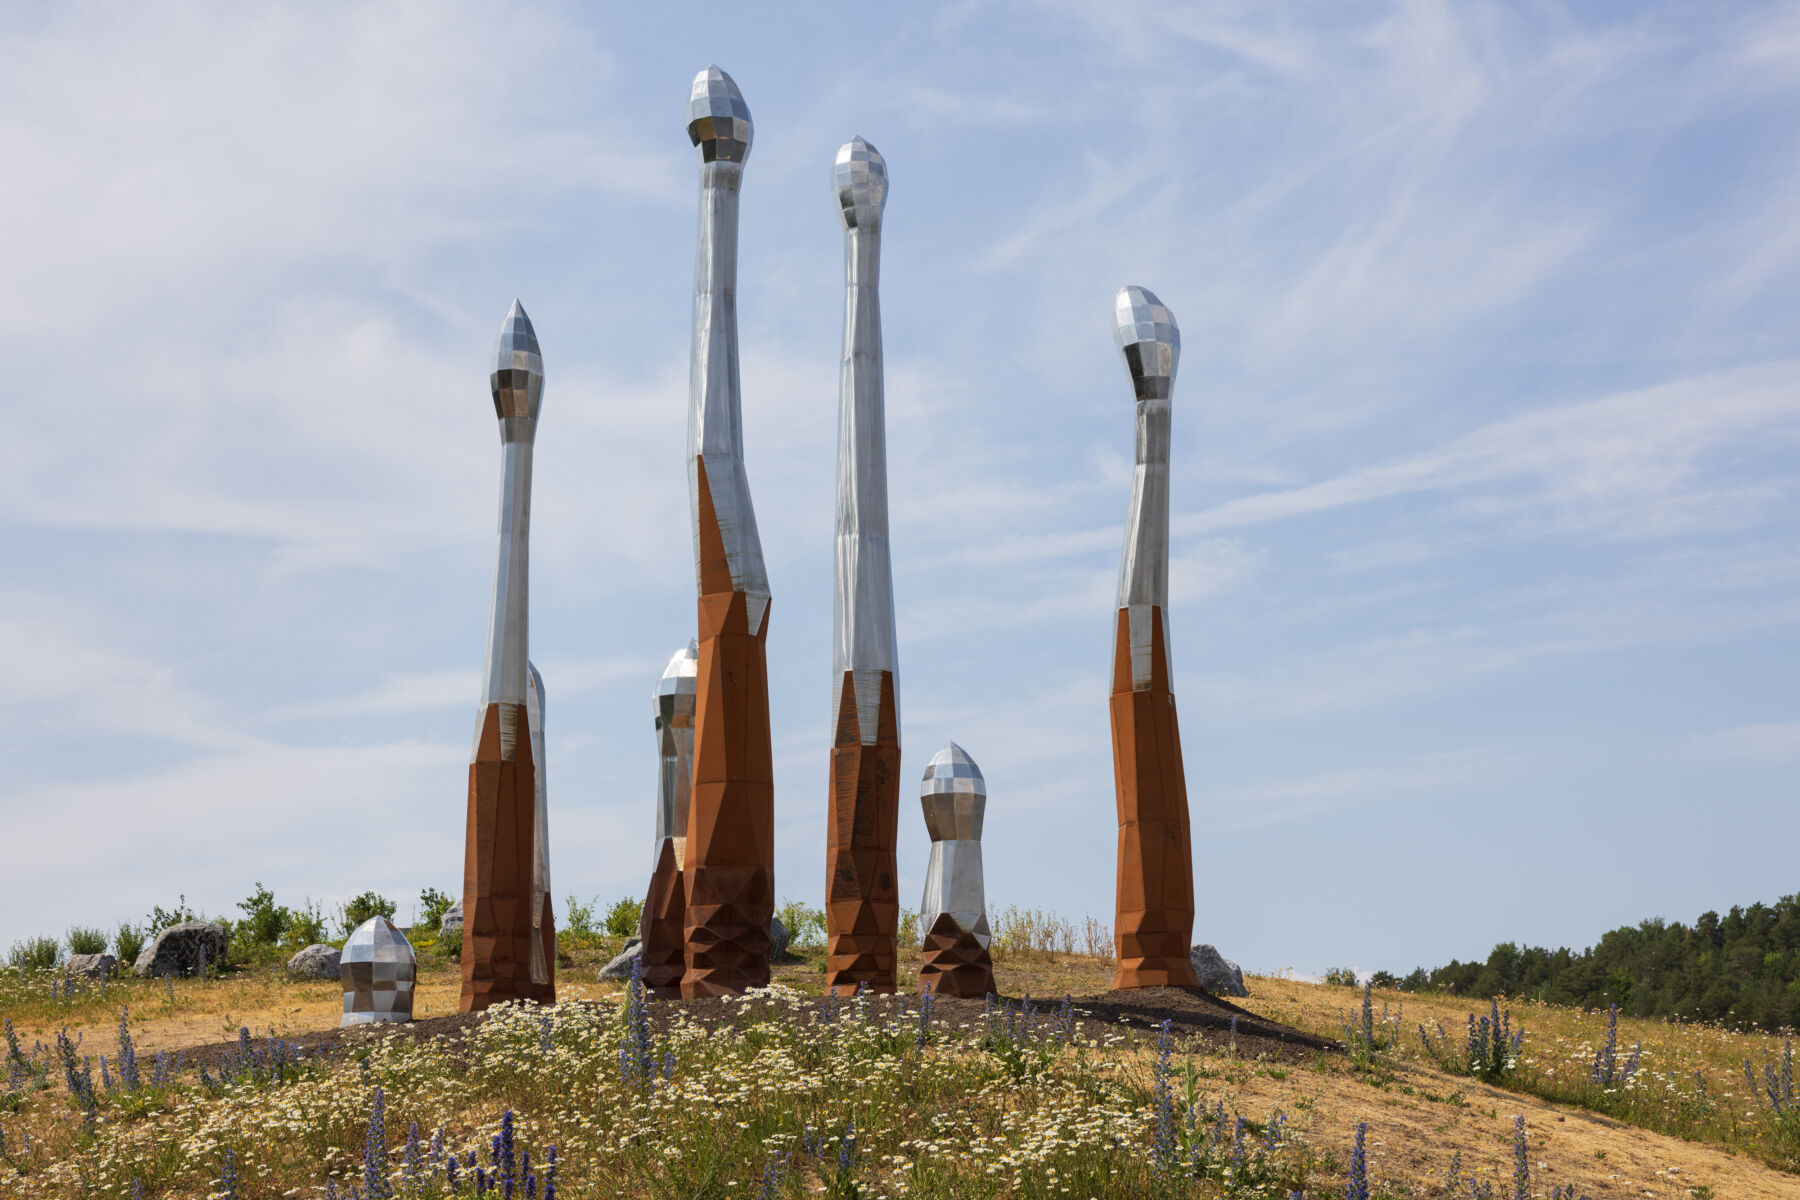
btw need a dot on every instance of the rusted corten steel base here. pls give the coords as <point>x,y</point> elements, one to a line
<point>730,862</point>
<point>665,910</point>
<point>497,869</point>
<point>1154,920</point>
<point>955,963</point>
<point>862,829</point>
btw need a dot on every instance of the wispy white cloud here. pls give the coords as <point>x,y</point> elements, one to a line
<point>1628,464</point>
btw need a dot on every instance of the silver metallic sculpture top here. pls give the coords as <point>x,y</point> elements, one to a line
<point>863,641</point>
<point>674,700</point>
<point>954,797</point>
<point>719,126</point>
<point>517,382</point>
<point>378,969</point>
<point>540,865</point>
<point>1150,343</point>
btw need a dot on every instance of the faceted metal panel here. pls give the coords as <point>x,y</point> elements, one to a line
<point>378,969</point>
<point>951,770</point>
<point>520,388</point>
<point>953,795</point>
<point>863,639</point>
<point>517,378</point>
<point>859,179</point>
<point>1148,340</point>
<point>1147,337</point>
<point>672,703</point>
<point>718,120</point>
<point>715,410</point>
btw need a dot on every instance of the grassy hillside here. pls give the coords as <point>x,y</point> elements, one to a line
<point>660,1101</point>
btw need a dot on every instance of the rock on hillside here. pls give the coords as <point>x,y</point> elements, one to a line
<point>182,950</point>
<point>91,966</point>
<point>317,961</point>
<point>1218,974</point>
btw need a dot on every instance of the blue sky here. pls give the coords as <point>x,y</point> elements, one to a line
<point>1487,441</point>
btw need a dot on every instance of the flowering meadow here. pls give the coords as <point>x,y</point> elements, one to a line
<point>136,1088</point>
<point>775,1095</point>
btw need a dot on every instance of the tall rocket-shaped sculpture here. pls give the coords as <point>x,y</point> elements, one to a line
<point>954,910</point>
<point>666,903</point>
<point>729,867</point>
<point>862,897</point>
<point>506,920</point>
<point>1154,920</point>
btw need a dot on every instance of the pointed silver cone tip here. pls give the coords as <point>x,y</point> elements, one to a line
<point>517,376</point>
<point>859,178</point>
<point>1149,341</point>
<point>952,770</point>
<point>718,120</point>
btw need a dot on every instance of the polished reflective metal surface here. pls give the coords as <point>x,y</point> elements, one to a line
<point>1150,343</point>
<point>954,797</point>
<point>378,969</point>
<point>719,125</point>
<point>540,867</point>
<point>718,119</point>
<point>673,701</point>
<point>863,641</point>
<point>517,381</point>
<point>859,179</point>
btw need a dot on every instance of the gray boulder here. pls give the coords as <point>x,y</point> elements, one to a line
<point>317,961</point>
<point>778,942</point>
<point>450,927</point>
<point>1218,974</point>
<point>620,966</point>
<point>91,966</point>
<point>182,950</point>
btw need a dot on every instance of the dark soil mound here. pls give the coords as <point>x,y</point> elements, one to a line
<point>1193,1016</point>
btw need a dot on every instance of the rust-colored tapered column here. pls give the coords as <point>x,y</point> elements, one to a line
<point>1154,920</point>
<point>509,937</point>
<point>862,898</point>
<point>729,864</point>
<point>862,825</point>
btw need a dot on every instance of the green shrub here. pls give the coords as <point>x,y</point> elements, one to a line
<point>128,943</point>
<point>433,904</point>
<point>579,917</point>
<point>35,954</point>
<point>308,926</point>
<point>161,918</point>
<point>265,922</point>
<point>361,908</point>
<point>623,917</point>
<point>83,940</point>
<point>805,926</point>
<point>909,927</point>
<point>1340,977</point>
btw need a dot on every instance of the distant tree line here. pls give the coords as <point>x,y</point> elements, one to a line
<point>1741,970</point>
